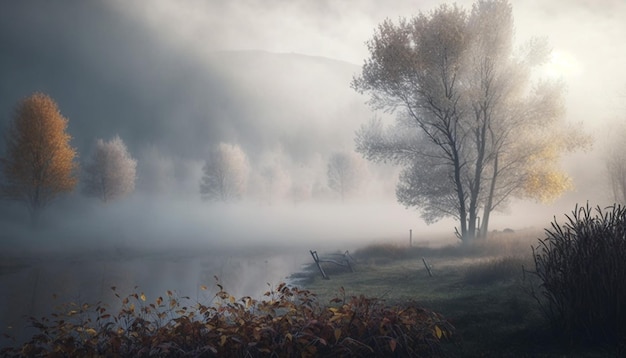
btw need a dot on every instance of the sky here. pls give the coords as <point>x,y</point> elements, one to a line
<point>586,37</point>
<point>583,33</point>
<point>163,75</point>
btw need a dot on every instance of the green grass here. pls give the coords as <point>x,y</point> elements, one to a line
<point>482,290</point>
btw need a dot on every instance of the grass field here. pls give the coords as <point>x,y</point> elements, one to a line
<point>482,290</point>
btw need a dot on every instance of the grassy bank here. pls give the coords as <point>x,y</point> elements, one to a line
<point>482,290</point>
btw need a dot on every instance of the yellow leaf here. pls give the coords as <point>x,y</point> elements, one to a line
<point>143,297</point>
<point>91,331</point>
<point>203,287</point>
<point>337,334</point>
<point>289,337</point>
<point>232,299</point>
<point>438,332</point>
<point>223,340</point>
<point>336,317</point>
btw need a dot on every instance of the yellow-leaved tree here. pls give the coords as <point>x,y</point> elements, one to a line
<point>39,162</point>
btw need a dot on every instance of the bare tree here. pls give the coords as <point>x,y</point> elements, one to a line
<point>40,163</point>
<point>225,173</point>
<point>345,173</point>
<point>111,172</point>
<point>464,107</point>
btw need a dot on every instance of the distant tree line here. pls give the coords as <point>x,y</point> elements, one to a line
<point>40,164</point>
<point>227,172</point>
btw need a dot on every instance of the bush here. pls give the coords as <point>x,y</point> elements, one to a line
<point>289,323</point>
<point>582,267</point>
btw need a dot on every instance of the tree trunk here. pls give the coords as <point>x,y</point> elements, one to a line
<point>482,118</point>
<point>489,204</point>
<point>460,194</point>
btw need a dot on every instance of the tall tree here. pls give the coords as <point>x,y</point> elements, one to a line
<point>39,162</point>
<point>345,173</point>
<point>112,171</point>
<point>416,66</point>
<point>225,173</point>
<point>463,94</point>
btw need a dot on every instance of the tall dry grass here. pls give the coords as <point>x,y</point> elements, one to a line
<point>582,268</point>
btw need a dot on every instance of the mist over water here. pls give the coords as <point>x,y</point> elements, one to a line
<point>82,248</point>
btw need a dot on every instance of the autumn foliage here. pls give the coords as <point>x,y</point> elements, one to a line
<point>288,322</point>
<point>39,163</point>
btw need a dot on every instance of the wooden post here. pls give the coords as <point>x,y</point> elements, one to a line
<point>410,237</point>
<point>430,273</point>
<point>316,258</point>
<point>346,256</point>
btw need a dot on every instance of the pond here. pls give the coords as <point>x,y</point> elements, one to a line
<point>35,286</point>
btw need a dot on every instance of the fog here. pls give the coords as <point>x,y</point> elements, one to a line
<point>173,79</point>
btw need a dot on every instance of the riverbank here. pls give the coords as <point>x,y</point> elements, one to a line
<point>486,292</point>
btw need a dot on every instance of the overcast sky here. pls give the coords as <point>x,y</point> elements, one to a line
<point>587,36</point>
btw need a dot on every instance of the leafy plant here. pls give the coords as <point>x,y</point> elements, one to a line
<point>582,270</point>
<point>288,322</point>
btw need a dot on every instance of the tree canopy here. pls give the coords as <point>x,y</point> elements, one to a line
<point>111,173</point>
<point>225,173</point>
<point>474,126</point>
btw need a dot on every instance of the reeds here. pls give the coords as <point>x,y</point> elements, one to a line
<point>582,266</point>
